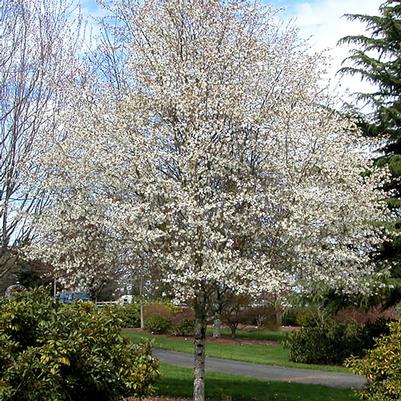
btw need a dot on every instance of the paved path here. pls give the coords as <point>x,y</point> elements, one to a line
<point>264,372</point>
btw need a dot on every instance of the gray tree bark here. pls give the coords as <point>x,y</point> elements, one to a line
<point>200,339</point>
<point>141,309</point>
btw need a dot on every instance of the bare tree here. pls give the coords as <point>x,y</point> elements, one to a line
<point>38,43</point>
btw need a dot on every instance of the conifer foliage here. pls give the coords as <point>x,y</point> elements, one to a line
<point>376,59</point>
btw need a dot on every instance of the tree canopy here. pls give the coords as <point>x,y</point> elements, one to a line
<point>222,161</point>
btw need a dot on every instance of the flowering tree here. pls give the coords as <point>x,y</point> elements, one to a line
<point>224,162</point>
<point>38,47</point>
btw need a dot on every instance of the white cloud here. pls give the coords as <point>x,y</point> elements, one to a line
<point>324,23</point>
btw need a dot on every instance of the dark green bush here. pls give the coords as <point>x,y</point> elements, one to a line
<point>68,352</point>
<point>300,316</point>
<point>129,315</point>
<point>290,317</point>
<point>157,324</point>
<point>371,330</point>
<point>319,344</point>
<point>329,341</point>
<point>382,367</point>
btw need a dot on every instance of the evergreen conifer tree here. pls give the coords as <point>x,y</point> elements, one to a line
<point>376,58</point>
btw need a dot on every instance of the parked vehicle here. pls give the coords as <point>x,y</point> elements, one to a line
<point>68,297</point>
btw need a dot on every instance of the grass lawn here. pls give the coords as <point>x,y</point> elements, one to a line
<point>177,382</point>
<point>262,354</point>
<point>253,334</point>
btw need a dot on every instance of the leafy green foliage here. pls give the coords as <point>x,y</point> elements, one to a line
<point>158,324</point>
<point>382,367</point>
<point>331,342</point>
<point>129,315</point>
<point>299,316</point>
<point>68,352</point>
<point>184,327</point>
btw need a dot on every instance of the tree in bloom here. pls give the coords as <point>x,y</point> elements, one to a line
<point>39,43</point>
<point>223,162</point>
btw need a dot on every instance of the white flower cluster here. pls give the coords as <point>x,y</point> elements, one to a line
<point>224,161</point>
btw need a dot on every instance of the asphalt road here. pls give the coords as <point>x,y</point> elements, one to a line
<point>264,372</point>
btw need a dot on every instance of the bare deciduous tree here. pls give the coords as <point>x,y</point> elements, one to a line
<point>38,43</point>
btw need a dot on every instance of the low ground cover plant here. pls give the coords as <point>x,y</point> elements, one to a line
<point>72,352</point>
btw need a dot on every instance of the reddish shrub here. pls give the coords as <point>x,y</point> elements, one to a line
<point>362,316</point>
<point>184,314</point>
<point>158,309</point>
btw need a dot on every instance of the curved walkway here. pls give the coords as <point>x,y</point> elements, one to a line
<point>264,372</point>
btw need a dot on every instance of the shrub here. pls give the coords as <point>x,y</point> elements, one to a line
<point>129,315</point>
<point>159,309</point>
<point>363,316</point>
<point>239,312</point>
<point>382,367</point>
<point>68,352</point>
<point>261,316</point>
<point>300,316</point>
<point>183,323</point>
<point>158,324</point>
<point>231,316</point>
<point>290,317</point>
<point>309,316</point>
<point>329,341</point>
<point>371,330</point>
<point>185,327</point>
<point>320,344</point>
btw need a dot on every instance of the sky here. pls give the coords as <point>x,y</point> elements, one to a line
<point>322,22</point>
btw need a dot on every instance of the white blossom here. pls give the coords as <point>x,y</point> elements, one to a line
<point>223,161</point>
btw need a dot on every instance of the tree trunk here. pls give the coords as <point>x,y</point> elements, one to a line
<point>279,317</point>
<point>233,330</point>
<point>7,262</point>
<point>200,337</point>
<point>141,308</point>
<point>216,327</point>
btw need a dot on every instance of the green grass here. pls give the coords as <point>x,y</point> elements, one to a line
<point>261,354</point>
<point>254,334</point>
<point>177,382</point>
